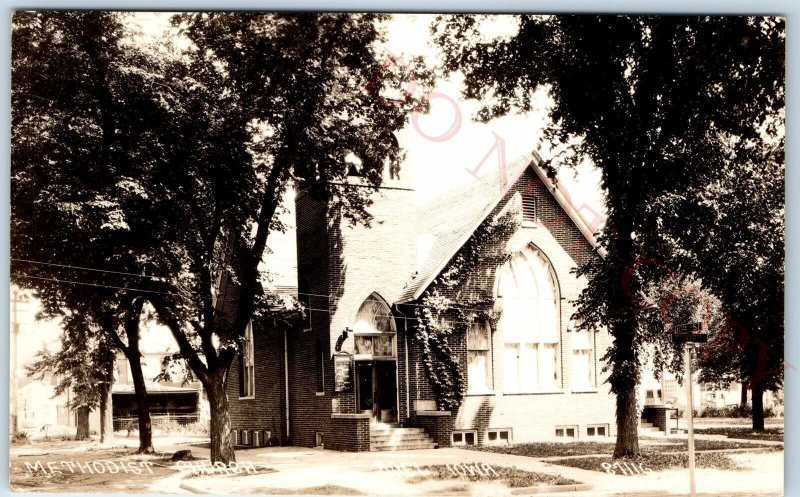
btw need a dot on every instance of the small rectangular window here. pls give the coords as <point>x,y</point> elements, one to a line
<point>496,437</point>
<point>304,297</point>
<point>566,431</point>
<point>319,439</point>
<point>320,356</point>
<point>247,380</point>
<point>464,437</point>
<point>596,430</point>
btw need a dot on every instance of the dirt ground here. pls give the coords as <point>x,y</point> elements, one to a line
<point>59,466</point>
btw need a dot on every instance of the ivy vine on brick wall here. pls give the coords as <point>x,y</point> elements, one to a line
<point>449,306</point>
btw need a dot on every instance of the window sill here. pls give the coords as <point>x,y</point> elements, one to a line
<point>480,393</point>
<point>320,394</point>
<point>249,397</point>
<point>536,392</point>
<point>585,390</point>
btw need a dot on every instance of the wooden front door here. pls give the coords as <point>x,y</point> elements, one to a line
<point>377,389</point>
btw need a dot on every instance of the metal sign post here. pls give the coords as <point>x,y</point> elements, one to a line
<point>689,334</point>
<point>687,358</point>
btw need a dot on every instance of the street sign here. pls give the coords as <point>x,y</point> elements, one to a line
<point>689,328</point>
<point>691,332</point>
<point>690,337</point>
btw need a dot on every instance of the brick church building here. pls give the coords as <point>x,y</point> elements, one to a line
<point>352,377</point>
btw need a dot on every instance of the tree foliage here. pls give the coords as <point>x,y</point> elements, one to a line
<point>659,104</point>
<point>83,220</point>
<point>162,169</point>
<point>81,366</point>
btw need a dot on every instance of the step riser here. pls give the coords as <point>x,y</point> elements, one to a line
<point>379,438</point>
<point>394,448</point>
<point>397,430</point>
<point>385,438</point>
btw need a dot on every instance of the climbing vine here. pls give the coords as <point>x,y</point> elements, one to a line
<point>450,305</point>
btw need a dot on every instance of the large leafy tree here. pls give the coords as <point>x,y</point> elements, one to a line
<point>258,104</point>
<point>171,169</point>
<point>659,104</point>
<point>83,220</point>
<point>741,257</point>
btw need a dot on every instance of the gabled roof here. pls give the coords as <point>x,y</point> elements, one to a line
<point>452,218</point>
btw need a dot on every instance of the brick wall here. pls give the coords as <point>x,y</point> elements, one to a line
<point>438,424</point>
<point>348,432</point>
<point>659,416</point>
<point>533,416</point>
<point>310,410</point>
<point>265,411</point>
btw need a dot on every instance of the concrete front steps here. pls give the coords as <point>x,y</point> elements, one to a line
<point>385,437</point>
<point>648,428</point>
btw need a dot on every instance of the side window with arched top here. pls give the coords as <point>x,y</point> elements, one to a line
<point>528,294</point>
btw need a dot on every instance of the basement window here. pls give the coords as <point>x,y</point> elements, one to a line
<point>465,437</point>
<point>597,430</point>
<point>498,436</point>
<point>566,431</point>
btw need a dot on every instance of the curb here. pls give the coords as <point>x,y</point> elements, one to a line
<point>192,489</point>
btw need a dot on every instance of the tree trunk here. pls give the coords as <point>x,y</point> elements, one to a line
<point>106,409</point>
<point>132,318</point>
<point>627,425</point>
<point>743,399</point>
<point>221,436</point>
<point>82,415</point>
<point>758,407</point>
<point>142,406</point>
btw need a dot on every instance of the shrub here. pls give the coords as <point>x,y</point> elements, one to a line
<point>21,438</point>
<point>735,411</point>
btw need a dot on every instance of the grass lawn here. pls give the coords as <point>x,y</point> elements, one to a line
<point>512,477</point>
<point>561,449</point>
<point>771,434</point>
<point>653,461</point>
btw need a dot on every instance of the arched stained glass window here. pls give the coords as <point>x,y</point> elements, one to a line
<point>528,295</point>
<point>374,328</point>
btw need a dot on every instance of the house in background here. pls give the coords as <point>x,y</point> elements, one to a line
<point>353,377</point>
<point>42,413</point>
<point>175,400</point>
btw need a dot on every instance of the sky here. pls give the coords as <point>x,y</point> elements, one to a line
<point>442,147</point>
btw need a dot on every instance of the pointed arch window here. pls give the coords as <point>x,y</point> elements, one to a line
<point>528,295</point>
<point>374,329</point>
